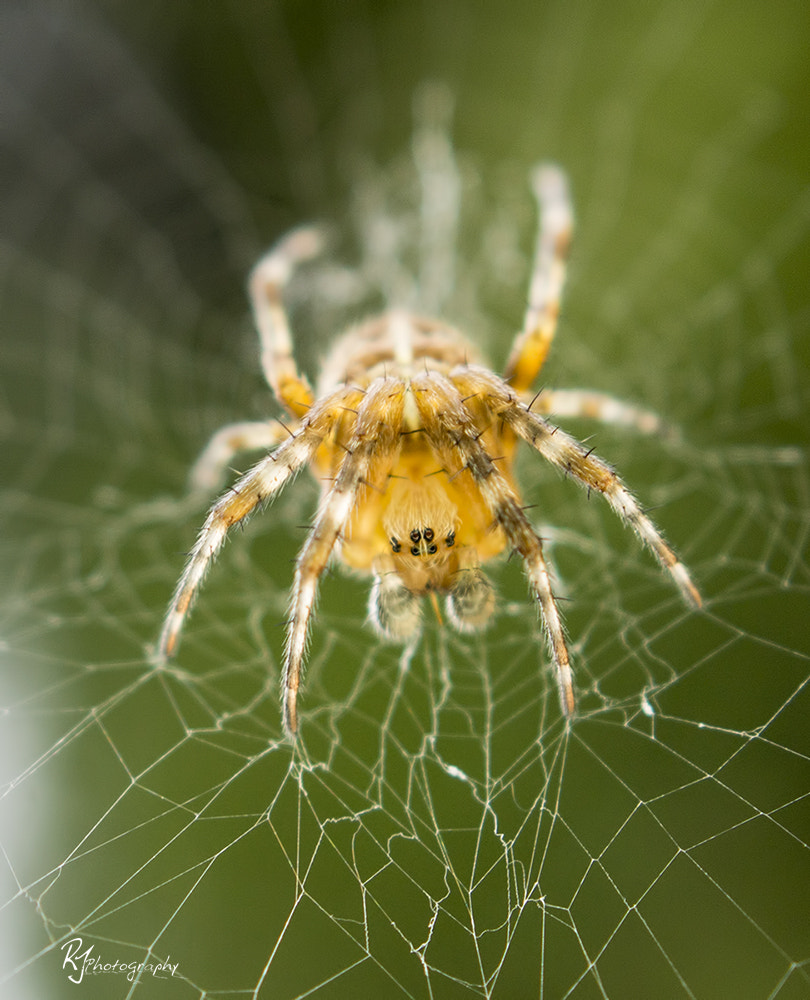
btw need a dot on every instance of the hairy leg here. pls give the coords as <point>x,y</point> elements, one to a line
<point>208,472</point>
<point>574,459</point>
<point>263,481</point>
<point>556,221</point>
<point>456,439</point>
<point>591,405</point>
<point>371,449</point>
<point>267,282</point>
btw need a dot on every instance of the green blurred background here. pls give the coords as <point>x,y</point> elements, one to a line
<point>437,831</point>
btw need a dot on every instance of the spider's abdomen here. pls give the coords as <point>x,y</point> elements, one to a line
<point>396,344</point>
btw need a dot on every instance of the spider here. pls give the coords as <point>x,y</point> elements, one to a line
<point>413,442</point>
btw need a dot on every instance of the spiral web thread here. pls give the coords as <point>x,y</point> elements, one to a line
<point>438,831</point>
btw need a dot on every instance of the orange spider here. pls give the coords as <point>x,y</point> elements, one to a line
<point>413,442</point>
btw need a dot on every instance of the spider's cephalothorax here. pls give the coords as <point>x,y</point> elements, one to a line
<point>413,442</point>
<point>416,524</point>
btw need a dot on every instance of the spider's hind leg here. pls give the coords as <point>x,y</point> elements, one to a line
<point>267,283</point>
<point>532,344</point>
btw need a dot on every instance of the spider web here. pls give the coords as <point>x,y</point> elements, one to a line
<point>437,831</point>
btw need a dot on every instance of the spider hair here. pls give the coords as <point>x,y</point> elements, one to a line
<point>405,435</point>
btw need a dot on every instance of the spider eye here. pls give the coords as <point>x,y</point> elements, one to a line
<point>415,551</point>
<point>450,541</point>
<point>394,610</point>
<point>416,535</point>
<point>471,600</point>
<point>427,534</point>
<point>396,547</point>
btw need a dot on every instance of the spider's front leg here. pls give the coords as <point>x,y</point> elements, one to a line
<point>368,457</point>
<point>454,436</point>
<point>575,460</point>
<point>264,480</point>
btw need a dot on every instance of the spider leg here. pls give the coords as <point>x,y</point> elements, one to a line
<point>556,220</point>
<point>370,450</point>
<point>591,405</point>
<point>265,479</point>
<point>208,472</point>
<point>573,458</point>
<point>454,436</point>
<point>267,282</point>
